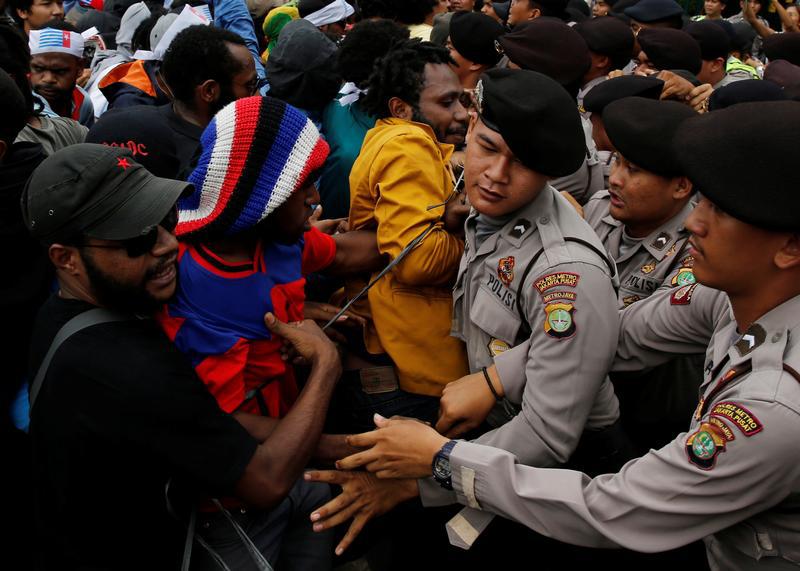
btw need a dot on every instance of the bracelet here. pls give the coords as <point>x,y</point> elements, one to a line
<point>489,382</point>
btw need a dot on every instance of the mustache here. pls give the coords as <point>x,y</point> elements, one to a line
<point>161,265</point>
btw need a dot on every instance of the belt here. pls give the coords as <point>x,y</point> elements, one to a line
<point>373,380</point>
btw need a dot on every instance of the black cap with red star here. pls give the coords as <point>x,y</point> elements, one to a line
<point>95,191</point>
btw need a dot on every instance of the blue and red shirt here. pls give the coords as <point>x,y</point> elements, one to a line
<point>217,317</point>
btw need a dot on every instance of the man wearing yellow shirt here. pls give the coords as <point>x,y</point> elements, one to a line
<point>406,354</point>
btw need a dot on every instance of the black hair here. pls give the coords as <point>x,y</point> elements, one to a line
<point>401,73</point>
<point>14,109</point>
<point>141,37</point>
<point>367,42</point>
<point>378,9</point>
<point>411,12</point>
<point>15,60</point>
<point>14,5</point>
<point>197,54</point>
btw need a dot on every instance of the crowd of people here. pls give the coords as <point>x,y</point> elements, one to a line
<point>397,284</point>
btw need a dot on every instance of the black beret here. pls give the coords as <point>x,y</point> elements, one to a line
<point>473,35</point>
<point>537,118</point>
<point>608,37</point>
<point>744,91</point>
<point>501,9</point>
<point>782,73</point>
<point>578,11</point>
<point>654,10</point>
<point>549,46</point>
<point>783,46</point>
<point>764,193</point>
<point>670,49</point>
<point>642,131</point>
<point>744,34</point>
<point>713,41</point>
<point>619,87</point>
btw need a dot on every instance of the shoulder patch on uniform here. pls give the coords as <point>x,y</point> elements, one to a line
<point>558,279</point>
<point>556,295</point>
<point>672,250</point>
<point>683,295</point>
<point>724,429</point>
<point>661,241</point>
<point>684,277</point>
<point>688,262</point>
<point>505,270</point>
<point>741,418</point>
<point>559,322</point>
<point>704,445</point>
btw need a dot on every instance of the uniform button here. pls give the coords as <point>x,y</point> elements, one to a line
<point>544,220</point>
<point>776,337</point>
<point>242,510</point>
<point>206,524</point>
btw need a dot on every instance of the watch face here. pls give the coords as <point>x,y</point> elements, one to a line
<point>442,467</point>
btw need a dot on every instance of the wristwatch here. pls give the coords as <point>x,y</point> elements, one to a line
<point>441,466</point>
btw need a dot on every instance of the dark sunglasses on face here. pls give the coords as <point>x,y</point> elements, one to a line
<point>146,241</point>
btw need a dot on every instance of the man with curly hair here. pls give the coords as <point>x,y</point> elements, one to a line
<point>399,186</point>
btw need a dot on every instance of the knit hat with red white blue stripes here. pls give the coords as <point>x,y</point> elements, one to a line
<point>255,153</point>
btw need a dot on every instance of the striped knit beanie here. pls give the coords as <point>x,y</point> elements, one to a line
<point>255,153</point>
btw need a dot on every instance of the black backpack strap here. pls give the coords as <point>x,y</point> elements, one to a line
<point>525,329</point>
<point>70,328</point>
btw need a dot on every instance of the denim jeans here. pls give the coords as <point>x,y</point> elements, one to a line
<point>352,410</point>
<point>283,534</point>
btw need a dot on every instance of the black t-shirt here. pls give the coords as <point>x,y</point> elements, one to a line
<point>121,412</point>
<point>186,136</point>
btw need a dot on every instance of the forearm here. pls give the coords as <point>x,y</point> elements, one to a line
<point>259,427</point>
<point>356,253</point>
<point>434,262</point>
<point>281,458</point>
<point>760,28</point>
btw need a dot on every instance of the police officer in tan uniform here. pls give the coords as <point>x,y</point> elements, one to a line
<point>535,272</point>
<point>733,478</point>
<point>640,220</point>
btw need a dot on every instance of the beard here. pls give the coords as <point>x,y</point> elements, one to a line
<point>441,134</point>
<point>117,295</point>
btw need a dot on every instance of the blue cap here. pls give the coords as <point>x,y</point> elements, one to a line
<point>654,10</point>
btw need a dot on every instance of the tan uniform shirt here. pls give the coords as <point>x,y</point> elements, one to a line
<point>733,478</point>
<point>568,327</point>
<point>659,260</point>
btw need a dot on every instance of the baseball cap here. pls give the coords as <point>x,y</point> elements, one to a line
<point>96,191</point>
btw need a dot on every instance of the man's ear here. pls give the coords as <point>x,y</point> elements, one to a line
<point>65,258</point>
<point>400,109</point>
<point>23,14</point>
<point>208,91</point>
<point>683,188</point>
<point>788,256</point>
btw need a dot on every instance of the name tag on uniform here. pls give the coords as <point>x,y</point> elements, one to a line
<point>376,380</point>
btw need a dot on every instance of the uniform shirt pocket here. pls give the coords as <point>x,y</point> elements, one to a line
<point>495,313</point>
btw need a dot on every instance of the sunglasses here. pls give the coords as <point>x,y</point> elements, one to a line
<point>146,241</point>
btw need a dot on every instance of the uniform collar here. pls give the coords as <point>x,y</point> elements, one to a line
<point>660,242</point>
<point>524,221</point>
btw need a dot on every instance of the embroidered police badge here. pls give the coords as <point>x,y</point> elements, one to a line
<point>559,322</point>
<point>505,270</point>
<point>684,277</point>
<point>704,445</point>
